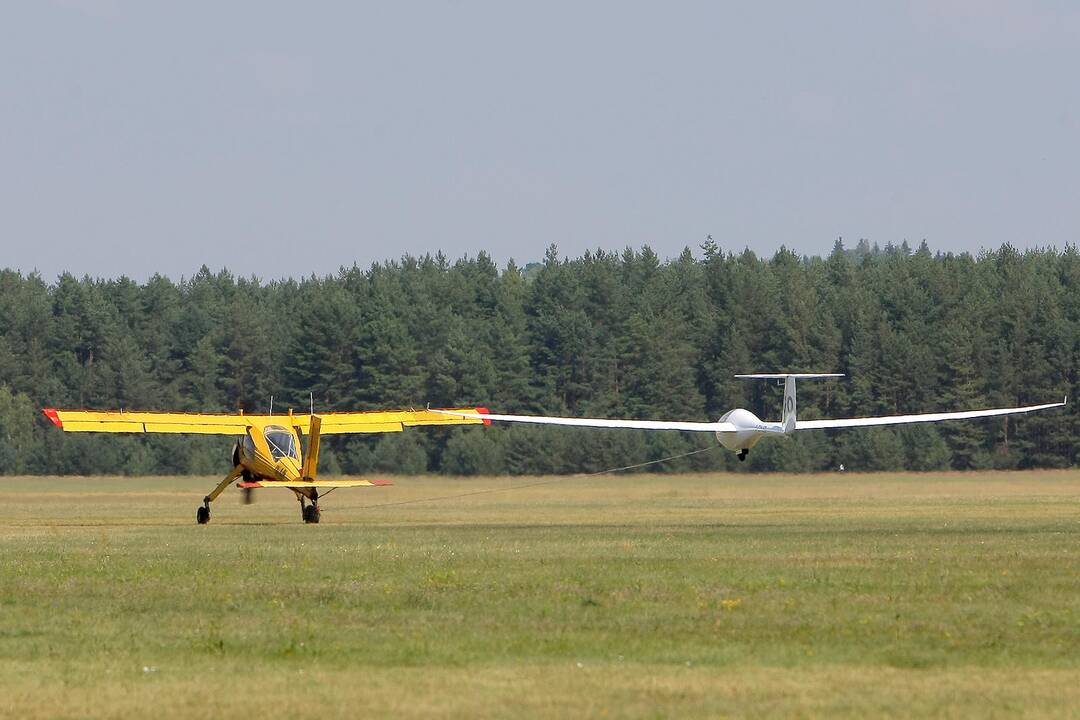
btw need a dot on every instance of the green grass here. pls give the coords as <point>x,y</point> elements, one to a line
<point>954,595</point>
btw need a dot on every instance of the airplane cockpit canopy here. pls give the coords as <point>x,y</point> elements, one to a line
<point>282,442</point>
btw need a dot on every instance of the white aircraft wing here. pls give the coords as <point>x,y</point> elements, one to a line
<point>605,423</point>
<point>924,417</point>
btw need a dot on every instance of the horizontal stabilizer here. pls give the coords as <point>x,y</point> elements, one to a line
<point>290,484</point>
<point>782,376</point>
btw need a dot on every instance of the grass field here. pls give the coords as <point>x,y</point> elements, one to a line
<point>945,595</point>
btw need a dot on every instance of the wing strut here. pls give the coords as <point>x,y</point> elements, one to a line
<point>311,460</point>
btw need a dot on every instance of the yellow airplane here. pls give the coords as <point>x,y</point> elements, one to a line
<point>268,453</point>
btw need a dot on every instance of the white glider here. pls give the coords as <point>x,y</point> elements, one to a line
<point>739,429</point>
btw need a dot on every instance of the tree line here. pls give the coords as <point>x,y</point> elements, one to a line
<point>605,335</point>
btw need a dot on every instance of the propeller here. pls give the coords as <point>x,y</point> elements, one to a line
<point>247,496</point>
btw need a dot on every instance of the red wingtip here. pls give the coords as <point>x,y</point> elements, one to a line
<point>52,415</point>
<point>380,483</point>
<point>484,411</point>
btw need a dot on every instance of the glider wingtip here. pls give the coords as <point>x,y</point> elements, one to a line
<point>484,411</point>
<point>54,417</point>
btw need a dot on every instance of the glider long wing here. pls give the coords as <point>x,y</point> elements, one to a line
<point>921,418</point>
<point>729,427</point>
<point>605,423</point>
<point>378,421</point>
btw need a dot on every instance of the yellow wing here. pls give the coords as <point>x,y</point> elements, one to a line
<point>379,421</point>
<point>214,424</point>
<point>148,422</point>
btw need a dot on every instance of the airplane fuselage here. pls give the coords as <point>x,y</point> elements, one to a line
<point>269,452</point>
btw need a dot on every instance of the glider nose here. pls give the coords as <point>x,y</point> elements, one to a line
<point>744,436</point>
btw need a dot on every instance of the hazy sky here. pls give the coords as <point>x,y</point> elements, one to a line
<point>289,138</point>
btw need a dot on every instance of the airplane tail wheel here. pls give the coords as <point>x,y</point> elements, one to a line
<point>202,515</point>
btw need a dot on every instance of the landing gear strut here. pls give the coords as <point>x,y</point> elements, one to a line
<point>743,453</point>
<point>202,515</point>
<point>308,497</point>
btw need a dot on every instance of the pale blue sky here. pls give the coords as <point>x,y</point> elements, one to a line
<point>291,138</point>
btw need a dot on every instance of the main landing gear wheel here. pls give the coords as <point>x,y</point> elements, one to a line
<point>202,515</point>
<point>742,454</point>
<point>311,514</point>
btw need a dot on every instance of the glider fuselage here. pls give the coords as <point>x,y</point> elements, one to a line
<point>750,429</point>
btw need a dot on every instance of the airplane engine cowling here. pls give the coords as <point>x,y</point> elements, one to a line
<point>740,439</point>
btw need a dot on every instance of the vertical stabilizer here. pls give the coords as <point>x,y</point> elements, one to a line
<point>788,418</point>
<point>789,404</point>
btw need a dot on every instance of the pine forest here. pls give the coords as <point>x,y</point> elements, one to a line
<point>625,335</point>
